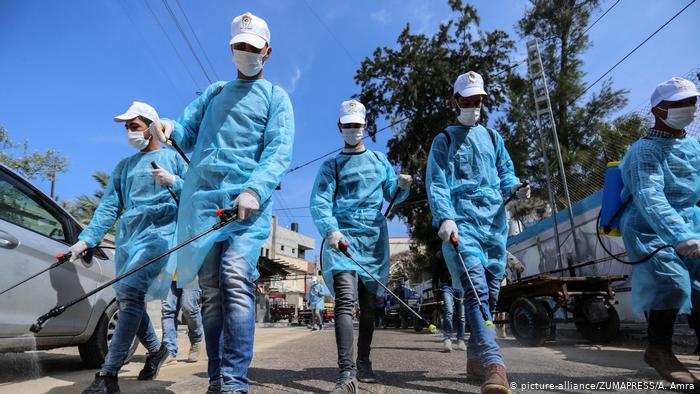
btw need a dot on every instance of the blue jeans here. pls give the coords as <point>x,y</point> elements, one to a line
<point>482,345</point>
<point>228,314</point>
<point>453,299</point>
<point>133,322</point>
<point>188,300</point>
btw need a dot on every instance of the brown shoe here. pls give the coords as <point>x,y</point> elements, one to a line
<point>496,381</point>
<point>475,370</point>
<point>662,359</point>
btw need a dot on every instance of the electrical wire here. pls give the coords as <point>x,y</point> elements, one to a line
<point>187,40</point>
<point>196,38</point>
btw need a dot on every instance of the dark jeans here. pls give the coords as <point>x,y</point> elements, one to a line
<point>344,284</point>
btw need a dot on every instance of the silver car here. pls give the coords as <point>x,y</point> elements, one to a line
<point>33,230</point>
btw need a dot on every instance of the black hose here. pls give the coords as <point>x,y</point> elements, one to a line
<point>600,241</point>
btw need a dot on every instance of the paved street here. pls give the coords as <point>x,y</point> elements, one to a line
<point>295,360</point>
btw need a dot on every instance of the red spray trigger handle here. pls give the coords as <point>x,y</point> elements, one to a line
<point>454,240</point>
<point>343,246</point>
<point>63,257</point>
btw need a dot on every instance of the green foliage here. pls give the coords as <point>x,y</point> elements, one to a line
<point>44,165</point>
<point>559,25</point>
<point>84,206</point>
<point>414,81</point>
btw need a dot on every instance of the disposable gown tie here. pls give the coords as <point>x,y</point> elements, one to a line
<point>662,175</point>
<point>467,177</point>
<point>347,197</point>
<point>147,222</point>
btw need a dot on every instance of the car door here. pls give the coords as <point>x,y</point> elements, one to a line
<point>32,231</point>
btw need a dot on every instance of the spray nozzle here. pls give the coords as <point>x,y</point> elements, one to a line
<point>39,325</point>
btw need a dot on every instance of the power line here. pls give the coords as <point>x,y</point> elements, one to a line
<point>196,38</point>
<point>339,149</point>
<point>330,31</point>
<point>187,40</point>
<point>171,43</point>
<point>512,66</point>
<point>631,52</point>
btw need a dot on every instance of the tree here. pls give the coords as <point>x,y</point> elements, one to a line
<point>44,165</point>
<point>414,82</point>
<point>560,27</point>
<point>84,206</point>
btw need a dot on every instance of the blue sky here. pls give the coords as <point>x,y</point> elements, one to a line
<point>68,67</point>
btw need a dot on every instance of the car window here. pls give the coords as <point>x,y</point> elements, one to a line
<point>22,206</point>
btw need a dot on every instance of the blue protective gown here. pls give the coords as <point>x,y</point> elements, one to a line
<point>467,178</point>
<point>241,135</point>
<point>662,175</point>
<point>147,222</point>
<point>347,197</point>
<point>316,295</point>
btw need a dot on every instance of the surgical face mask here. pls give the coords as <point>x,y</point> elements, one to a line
<point>679,118</point>
<point>352,137</point>
<point>469,116</point>
<point>249,64</point>
<point>137,141</point>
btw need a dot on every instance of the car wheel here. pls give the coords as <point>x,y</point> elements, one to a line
<point>94,351</point>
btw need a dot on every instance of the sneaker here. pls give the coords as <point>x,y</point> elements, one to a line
<point>103,384</point>
<point>495,380</point>
<point>365,374</point>
<point>193,355</point>
<point>170,360</point>
<point>346,384</point>
<point>447,345</point>
<point>461,345</point>
<point>214,388</point>
<point>153,363</point>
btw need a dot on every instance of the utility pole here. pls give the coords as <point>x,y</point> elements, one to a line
<point>544,115</point>
<point>273,255</point>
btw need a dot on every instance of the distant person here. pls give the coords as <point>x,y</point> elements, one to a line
<point>453,306</point>
<point>316,301</point>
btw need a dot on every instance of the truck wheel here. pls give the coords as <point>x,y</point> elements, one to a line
<point>529,321</point>
<point>94,351</point>
<point>597,321</point>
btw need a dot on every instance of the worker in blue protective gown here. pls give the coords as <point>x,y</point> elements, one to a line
<point>468,174</point>
<point>316,302</point>
<point>661,174</point>
<point>346,204</point>
<point>137,195</point>
<point>240,134</point>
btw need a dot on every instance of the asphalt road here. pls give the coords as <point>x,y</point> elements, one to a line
<point>296,360</point>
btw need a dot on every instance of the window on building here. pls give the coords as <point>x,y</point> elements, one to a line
<point>293,251</point>
<point>267,252</point>
<point>282,248</point>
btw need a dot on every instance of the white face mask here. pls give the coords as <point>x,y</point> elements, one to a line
<point>137,141</point>
<point>353,137</point>
<point>679,118</point>
<point>469,116</point>
<point>249,64</point>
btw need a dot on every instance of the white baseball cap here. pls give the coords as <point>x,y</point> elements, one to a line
<point>469,84</point>
<point>352,111</point>
<point>314,279</point>
<point>250,29</point>
<point>138,109</point>
<point>675,89</point>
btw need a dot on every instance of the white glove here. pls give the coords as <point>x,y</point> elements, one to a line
<point>163,177</point>
<point>162,129</point>
<point>77,250</point>
<point>247,202</point>
<point>690,248</point>
<point>334,238</point>
<point>522,193</point>
<point>405,181</point>
<point>447,228</point>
